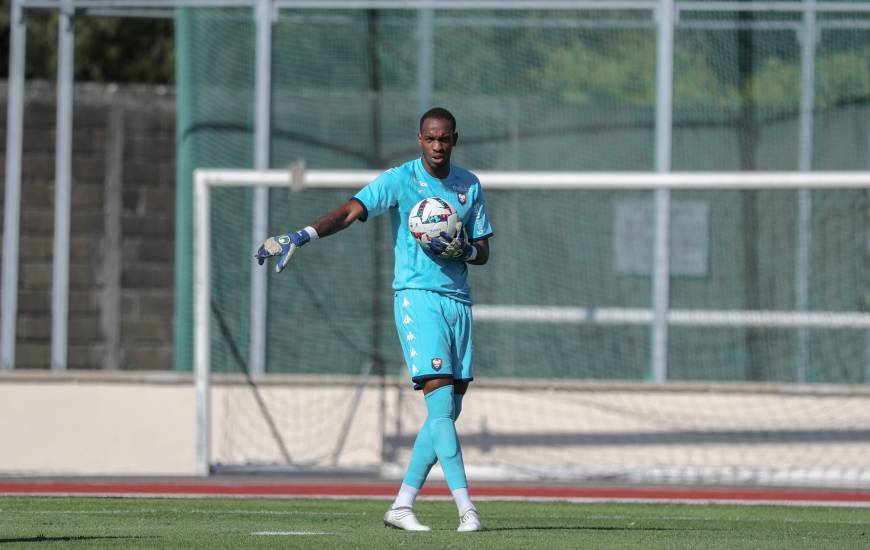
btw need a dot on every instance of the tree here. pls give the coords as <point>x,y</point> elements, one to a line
<point>107,49</point>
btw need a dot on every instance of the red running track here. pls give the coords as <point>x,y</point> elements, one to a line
<point>388,490</point>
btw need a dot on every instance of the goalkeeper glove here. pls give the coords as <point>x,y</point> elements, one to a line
<point>445,246</point>
<point>284,246</point>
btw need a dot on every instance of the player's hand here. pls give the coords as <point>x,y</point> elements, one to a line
<point>283,247</point>
<point>454,248</point>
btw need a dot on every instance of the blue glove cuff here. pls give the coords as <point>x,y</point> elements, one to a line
<point>299,238</point>
<point>469,252</point>
<point>303,236</point>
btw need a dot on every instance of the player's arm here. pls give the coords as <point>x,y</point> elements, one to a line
<point>285,246</point>
<point>338,219</point>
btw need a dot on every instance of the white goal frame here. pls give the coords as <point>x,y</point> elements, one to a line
<point>659,317</point>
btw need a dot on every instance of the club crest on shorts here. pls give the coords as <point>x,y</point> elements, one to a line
<point>463,198</point>
<point>436,363</point>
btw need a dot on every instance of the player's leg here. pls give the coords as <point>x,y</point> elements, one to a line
<point>420,325</point>
<point>440,424</point>
<point>443,397</point>
<point>436,339</point>
<point>436,436</point>
<point>423,456</point>
<point>463,373</point>
<point>439,396</point>
<point>426,320</point>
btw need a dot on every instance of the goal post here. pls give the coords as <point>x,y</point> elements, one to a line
<point>580,307</point>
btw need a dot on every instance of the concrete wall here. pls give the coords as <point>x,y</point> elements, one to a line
<point>137,423</point>
<point>122,224</point>
<point>96,424</point>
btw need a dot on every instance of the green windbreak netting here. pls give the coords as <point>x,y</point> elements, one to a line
<point>542,90</point>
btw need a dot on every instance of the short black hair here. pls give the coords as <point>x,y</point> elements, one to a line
<point>439,113</point>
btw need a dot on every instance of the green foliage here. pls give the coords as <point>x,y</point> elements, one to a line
<point>107,49</point>
<point>843,75</point>
<point>125,50</point>
<point>704,76</point>
<point>582,73</point>
<point>591,67</point>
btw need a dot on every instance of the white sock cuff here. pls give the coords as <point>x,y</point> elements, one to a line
<point>463,500</point>
<point>312,233</point>
<point>406,497</point>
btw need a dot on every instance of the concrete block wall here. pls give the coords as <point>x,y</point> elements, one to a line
<point>122,224</point>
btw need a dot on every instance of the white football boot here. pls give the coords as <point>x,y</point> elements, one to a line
<point>470,521</point>
<point>403,518</point>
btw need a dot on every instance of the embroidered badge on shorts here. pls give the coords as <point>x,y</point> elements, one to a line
<point>436,363</point>
<point>462,198</point>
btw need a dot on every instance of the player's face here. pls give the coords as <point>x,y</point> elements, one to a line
<point>437,139</point>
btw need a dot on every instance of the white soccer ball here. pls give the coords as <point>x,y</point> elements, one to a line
<point>430,217</point>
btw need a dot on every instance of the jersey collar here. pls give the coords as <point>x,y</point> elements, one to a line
<point>429,177</point>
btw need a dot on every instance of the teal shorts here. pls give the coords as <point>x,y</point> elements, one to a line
<point>435,332</point>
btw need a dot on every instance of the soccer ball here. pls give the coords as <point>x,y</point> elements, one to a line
<point>430,217</point>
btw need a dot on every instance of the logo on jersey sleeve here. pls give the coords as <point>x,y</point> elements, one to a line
<point>479,221</point>
<point>436,363</point>
<point>463,198</point>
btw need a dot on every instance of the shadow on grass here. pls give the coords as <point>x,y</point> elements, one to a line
<point>70,538</point>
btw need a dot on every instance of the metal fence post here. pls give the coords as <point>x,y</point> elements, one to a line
<point>663,140</point>
<point>12,198</point>
<point>63,187</point>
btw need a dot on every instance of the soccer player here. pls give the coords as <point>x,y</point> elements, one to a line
<point>432,303</point>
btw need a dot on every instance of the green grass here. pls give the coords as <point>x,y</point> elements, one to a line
<point>50,522</point>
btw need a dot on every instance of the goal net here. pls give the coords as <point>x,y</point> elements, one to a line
<point>742,355</point>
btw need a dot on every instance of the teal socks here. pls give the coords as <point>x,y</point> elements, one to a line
<point>437,440</point>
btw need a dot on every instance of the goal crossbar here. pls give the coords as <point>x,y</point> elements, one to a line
<point>300,179</point>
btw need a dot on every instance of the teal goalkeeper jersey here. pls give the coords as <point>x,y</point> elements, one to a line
<point>397,190</point>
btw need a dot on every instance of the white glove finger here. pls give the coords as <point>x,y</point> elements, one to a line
<point>282,263</point>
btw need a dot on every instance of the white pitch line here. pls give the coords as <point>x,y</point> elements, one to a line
<point>288,533</point>
<point>183,511</point>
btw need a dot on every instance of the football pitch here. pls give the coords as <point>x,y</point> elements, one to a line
<point>102,522</point>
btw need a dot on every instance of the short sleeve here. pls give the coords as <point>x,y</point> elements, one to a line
<point>380,195</point>
<point>481,228</point>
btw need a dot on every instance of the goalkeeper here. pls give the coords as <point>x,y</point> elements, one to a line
<point>432,304</point>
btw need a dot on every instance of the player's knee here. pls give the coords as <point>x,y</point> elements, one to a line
<point>440,402</point>
<point>444,439</point>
